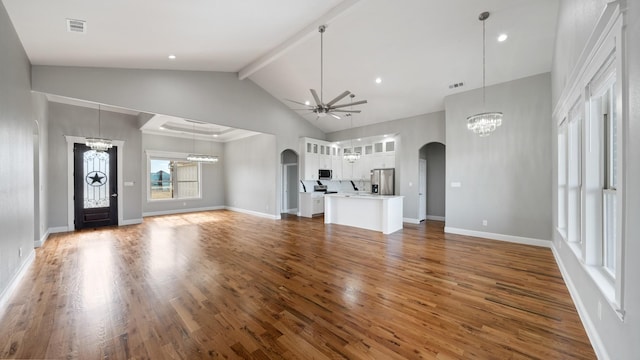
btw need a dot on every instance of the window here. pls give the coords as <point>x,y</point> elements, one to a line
<point>609,189</point>
<point>173,179</point>
<point>562,179</point>
<point>574,176</point>
<point>590,185</point>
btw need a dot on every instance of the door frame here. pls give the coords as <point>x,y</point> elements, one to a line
<point>70,189</point>
<point>286,168</point>
<point>422,175</point>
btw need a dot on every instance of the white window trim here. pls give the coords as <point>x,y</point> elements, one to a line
<point>607,38</point>
<point>174,156</point>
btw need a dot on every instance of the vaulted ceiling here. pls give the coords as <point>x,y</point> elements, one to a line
<point>418,48</point>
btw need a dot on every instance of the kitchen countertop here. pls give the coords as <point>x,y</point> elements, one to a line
<point>364,196</point>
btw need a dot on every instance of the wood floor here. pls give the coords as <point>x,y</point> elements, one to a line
<point>227,285</point>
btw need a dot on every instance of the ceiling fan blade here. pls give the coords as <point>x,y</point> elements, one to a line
<point>347,111</point>
<point>338,98</point>
<point>298,102</point>
<point>335,116</point>
<point>315,97</point>
<point>345,105</point>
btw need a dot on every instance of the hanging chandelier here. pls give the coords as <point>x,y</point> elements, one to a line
<point>484,123</point>
<point>352,156</point>
<point>203,158</point>
<point>98,143</point>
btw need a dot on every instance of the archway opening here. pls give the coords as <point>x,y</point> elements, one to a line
<point>432,183</point>
<point>290,180</point>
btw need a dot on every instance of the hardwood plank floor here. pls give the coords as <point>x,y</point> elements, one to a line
<point>222,284</point>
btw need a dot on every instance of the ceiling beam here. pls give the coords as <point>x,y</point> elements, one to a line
<point>296,39</point>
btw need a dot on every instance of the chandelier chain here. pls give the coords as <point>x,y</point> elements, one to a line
<point>484,61</point>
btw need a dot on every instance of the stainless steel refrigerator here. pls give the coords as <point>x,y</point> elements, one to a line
<point>383,181</point>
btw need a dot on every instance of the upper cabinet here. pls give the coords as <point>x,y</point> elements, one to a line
<point>320,154</point>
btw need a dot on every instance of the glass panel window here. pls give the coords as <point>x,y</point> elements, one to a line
<point>562,179</point>
<point>390,146</point>
<point>96,184</point>
<point>610,180</point>
<point>173,179</point>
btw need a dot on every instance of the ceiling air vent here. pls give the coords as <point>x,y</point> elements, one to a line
<point>76,26</point>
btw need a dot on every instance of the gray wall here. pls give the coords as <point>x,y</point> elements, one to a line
<point>212,174</point>
<point>576,20</point>
<point>434,153</point>
<point>250,174</point>
<point>16,154</point>
<point>213,97</point>
<point>80,121</point>
<point>505,177</point>
<point>414,132</point>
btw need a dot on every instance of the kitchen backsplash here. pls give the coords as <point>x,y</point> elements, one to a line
<point>341,186</point>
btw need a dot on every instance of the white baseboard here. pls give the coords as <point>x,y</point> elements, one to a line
<point>58,229</point>
<point>39,243</point>
<point>410,221</point>
<point>434,217</point>
<point>587,323</point>
<point>254,213</point>
<point>17,279</point>
<point>131,222</point>
<point>181,211</point>
<point>501,237</point>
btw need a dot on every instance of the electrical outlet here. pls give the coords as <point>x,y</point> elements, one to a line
<point>599,310</point>
<point>484,223</point>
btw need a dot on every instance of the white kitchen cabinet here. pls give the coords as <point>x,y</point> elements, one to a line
<point>311,203</point>
<point>311,167</point>
<point>336,165</point>
<point>317,154</point>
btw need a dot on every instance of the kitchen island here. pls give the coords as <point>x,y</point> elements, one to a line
<point>366,211</point>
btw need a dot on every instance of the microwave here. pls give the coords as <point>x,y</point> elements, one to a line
<point>324,174</point>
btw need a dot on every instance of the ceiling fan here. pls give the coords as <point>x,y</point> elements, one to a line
<point>322,109</point>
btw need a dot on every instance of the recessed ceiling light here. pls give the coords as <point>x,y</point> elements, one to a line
<point>215,135</point>
<point>162,128</point>
<point>359,139</point>
<point>502,37</point>
<point>307,102</point>
<point>172,57</point>
<point>385,135</point>
<point>378,80</point>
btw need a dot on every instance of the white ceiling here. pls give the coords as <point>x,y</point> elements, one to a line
<point>192,129</point>
<point>417,47</point>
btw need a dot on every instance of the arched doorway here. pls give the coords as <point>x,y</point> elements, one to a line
<point>432,185</point>
<point>290,178</point>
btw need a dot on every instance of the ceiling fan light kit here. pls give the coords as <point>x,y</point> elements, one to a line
<point>484,123</point>
<point>322,109</point>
